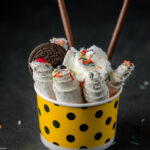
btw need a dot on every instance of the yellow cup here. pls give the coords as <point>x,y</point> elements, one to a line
<point>88,126</point>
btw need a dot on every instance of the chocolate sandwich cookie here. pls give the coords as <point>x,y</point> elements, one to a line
<point>51,52</point>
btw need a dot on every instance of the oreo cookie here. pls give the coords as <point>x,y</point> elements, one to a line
<point>51,52</point>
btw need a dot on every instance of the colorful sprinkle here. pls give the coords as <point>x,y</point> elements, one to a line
<point>62,69</point>
<point>82,83</point>
<point>81,56</point>
<point>60,76</point>
<point>56,75</point>
<point>73,72</point>
<point>48,65</point>
<point>42,60</point>
<point>71,76</point>
<point>89,60</point>
<point>60,42</point>
<point>99,67</point>
<point>83,51</point>
<point>70,52</point>
<point>115,74</point>
<point>127,63</point>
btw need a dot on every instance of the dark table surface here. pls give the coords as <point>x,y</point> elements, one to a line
<point>24,25</point>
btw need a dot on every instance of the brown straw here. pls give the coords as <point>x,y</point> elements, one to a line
<point>117,29</point>
<point>66,23</point>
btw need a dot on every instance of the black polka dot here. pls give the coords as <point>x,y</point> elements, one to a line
<point>107,140</point>
<point>56,143</point>
<point>56,104</point>
<point>108,121</point>
<point>46,129</point>
<point>83,147</point>
<point>71,116</point>
<point>83,127</point>
<point>114,125</point>
<point>46,108</point>
<point>70,138</point>
<point>99,113</point>
<point>56,124</point>
<point>98,135</point>
<point>84,107</point>
<point>116,104</point>
<point>39,111</point>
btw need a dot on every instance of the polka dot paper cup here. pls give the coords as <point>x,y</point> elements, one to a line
<point>88,126</point>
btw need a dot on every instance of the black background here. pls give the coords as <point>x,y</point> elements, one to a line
<point>25,24</point>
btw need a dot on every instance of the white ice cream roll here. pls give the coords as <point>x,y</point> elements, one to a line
<point>125,69</point>
<point>116,79</point>
<point>95,88</point>
<point>66,87</point>
<point>42,75</point>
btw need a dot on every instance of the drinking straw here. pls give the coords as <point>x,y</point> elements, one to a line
<point>117,29</point>
<point>66,23</point>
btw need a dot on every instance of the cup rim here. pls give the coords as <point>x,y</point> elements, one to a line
<point>78,105</point>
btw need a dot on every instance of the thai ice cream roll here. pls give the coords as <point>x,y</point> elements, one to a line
<point>116,79</point>
<point>125,69</point>
<point>66,87</point>
<point>42,75</point>
<point>95,88</point>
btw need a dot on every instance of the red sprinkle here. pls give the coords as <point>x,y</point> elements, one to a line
<point>56,75</point>
<point>41,60</point>
<point>60,76</point>
<point>82,83</point>
<point>71,76</point>
<point>87,61</point>
<point>91,62</point>
<point>83,51</point>
<point>62,69</point>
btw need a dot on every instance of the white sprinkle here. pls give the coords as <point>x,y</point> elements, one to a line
<point>19,122</point>
<point>142,120</point>
<point>146,83</point>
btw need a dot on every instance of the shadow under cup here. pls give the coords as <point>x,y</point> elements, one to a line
<point>65,126</point>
